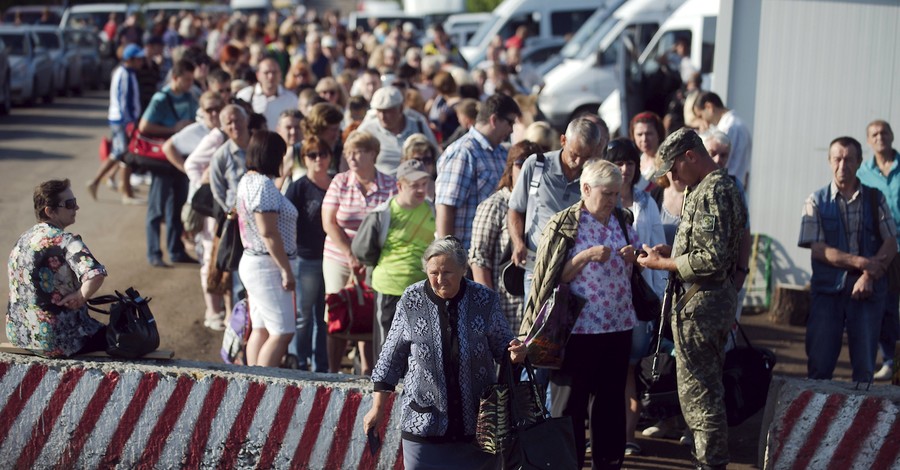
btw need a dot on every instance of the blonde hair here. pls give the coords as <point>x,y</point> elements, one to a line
<point>598,172</point>
<point>542,134</point>
<point>362,140</point>
<point>418,143</point>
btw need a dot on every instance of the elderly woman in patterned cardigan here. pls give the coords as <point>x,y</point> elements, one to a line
<point>446,337</point>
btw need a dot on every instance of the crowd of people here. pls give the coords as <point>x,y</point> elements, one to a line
<point>381,158</point>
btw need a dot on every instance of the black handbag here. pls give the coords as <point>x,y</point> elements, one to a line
<point>746,376</point>
<point>646,302</point>
<point>131,331</point>
<point>202,201</point>
<point>230,249</point>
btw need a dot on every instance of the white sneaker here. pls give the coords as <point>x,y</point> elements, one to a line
<point>885,373</point>
<point>660,431</point>
<point>216,323</point>
<point>687,439</point>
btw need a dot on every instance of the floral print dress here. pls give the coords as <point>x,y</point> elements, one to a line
<point>47,264</point>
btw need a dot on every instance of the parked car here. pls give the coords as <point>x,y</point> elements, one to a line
<point>31,14</point>
<point>168,8</point>
<point>67,71</point>
<point>5,80</point>
<point>96,70</point>
<point>95,15</point>
<point>32,67</point>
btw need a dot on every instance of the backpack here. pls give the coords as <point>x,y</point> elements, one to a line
<point>237,331</point>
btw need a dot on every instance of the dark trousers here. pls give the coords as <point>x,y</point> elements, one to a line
<point>385,307</point>
<point>168,193</point>
<point>591,385</point>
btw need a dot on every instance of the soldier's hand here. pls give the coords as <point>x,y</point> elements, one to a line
<point>663,250</point>
<point>649,259</point>
<point>863,288</point>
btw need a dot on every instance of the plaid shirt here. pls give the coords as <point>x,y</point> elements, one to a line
<point>490,240</point>
<point>468,172</point>
<point>851,211</point>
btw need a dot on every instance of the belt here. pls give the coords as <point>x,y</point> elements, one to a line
<point>692,288</point>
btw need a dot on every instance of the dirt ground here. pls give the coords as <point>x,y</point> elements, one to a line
<point>61,141</point>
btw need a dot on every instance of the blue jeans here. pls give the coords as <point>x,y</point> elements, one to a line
<point>829,314</point>
<point>309,342</point>
<point>890,327</point>
<point>168,193</point>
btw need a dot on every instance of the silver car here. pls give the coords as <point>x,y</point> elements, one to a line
<point>67,71</point>
<point>32,67</point>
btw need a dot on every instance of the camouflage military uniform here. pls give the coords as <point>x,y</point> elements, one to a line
<point>705,252</point>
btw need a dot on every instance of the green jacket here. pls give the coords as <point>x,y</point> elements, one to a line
<point>556,241</point>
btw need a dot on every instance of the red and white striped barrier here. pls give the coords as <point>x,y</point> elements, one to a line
<point>74,414</point>
<point>829,425</point>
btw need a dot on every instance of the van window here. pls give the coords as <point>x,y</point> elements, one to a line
<point>509,29</point>
<point>709,41</point>
<point>566,22</point>
<point>639,35</point>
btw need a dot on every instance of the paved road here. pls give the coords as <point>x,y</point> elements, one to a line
<point>61,140</point>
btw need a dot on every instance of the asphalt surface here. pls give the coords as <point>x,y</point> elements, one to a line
<point>61,141</point>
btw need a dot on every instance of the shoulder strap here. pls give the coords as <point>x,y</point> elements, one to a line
<point>872,194</point>
<point>172,105</point>
<point>540,162</point>
<point>620,216</point>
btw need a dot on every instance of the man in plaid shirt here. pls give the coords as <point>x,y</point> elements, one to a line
<point>852,236</point>
<point>469,170</point>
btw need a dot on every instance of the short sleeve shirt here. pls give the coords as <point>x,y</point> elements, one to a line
<point>166,108</point>
<point>257,193</point>
<point>400,264</point>
<point>606,287</point>
<point>353,202</point>
<point>554,193</point>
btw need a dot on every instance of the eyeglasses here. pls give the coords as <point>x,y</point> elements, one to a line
<point>317,155</point>
<point>70,204</point>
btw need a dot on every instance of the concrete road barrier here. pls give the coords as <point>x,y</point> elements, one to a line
<point>830,425</point>
<point>181,414</point>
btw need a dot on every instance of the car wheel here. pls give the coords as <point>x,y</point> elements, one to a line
<point>6,99</point>
<point>51,92</point>
<point>29,99</point>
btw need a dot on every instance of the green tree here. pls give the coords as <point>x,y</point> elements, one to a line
<point>482,5</point>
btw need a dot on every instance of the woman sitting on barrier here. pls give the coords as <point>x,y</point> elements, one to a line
<point>447,334</point>
<point>51,275</point>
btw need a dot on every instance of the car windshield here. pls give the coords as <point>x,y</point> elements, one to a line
<point>84,19</point>
<point>15,43</point>
<point>593,43</point>
<point>49,40</point>
<point>483,31</point>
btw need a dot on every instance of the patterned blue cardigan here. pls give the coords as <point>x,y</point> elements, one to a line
<point>413,349</point>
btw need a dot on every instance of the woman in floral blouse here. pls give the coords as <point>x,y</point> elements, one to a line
<point>51,274</point>
<point>585,247</point>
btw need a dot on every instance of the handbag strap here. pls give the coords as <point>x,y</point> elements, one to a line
<point>101,300</point>
<point>532,390</point>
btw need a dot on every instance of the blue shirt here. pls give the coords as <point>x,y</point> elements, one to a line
<point>468,172</point>
<point>870,175</point>
<point>166,108</point>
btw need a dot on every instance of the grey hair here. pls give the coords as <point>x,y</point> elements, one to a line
<point>598,172</point>
<point>583,130</point>
<point>716,136</point>
<point>233,108</point>
<point>449,246</point>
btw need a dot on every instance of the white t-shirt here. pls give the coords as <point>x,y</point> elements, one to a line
<point>187,139</point>
<point>269,106</point>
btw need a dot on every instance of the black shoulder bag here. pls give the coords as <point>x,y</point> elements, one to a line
<point>132,331</point>
<point>646,303</point>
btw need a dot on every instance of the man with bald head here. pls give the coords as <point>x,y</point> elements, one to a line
<point>268,97</point>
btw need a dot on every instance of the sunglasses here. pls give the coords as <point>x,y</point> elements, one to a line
<point>212,110</point>
<point>317,155</point>
<point>70,204</point>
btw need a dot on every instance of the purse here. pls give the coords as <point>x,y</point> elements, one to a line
<point>131,331</point>
<point>202,201</point>
<point>746,375</point>
<point>145,152</point>
<point>230,249</point>
<point>350,312</point>
<point>646,302</point>
<point>191,220</point>
<point>494,425</point>
<point>237,332</point>
<point>546,341</point>
<point>105,149</point>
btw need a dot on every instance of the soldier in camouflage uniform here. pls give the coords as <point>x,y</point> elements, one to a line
<point>704,258</point>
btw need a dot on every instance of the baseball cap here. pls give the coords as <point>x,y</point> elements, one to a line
<point>132,51</point>
<point>412,170</point>
<point>677,143</point>
<point>386,98</point>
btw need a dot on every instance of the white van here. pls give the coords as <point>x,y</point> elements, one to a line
<point>583,80</point>
<point>544,19</point>
<point>639,90</point>
<point>462,26</point>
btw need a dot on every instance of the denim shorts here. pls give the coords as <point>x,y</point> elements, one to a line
<point>119,140</point>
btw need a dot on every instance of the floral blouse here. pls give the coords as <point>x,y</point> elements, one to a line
<point>606,287</point>
<point>47,264</point>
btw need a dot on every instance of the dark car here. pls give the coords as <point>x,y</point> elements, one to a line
<point>5,80</point>
<point>67,71</point>
<point>86,42</point>
<point>33,15</point>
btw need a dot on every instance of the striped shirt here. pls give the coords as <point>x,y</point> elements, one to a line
<point>352,203</point>
<point>124,97</point>
<point>468,172</point>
